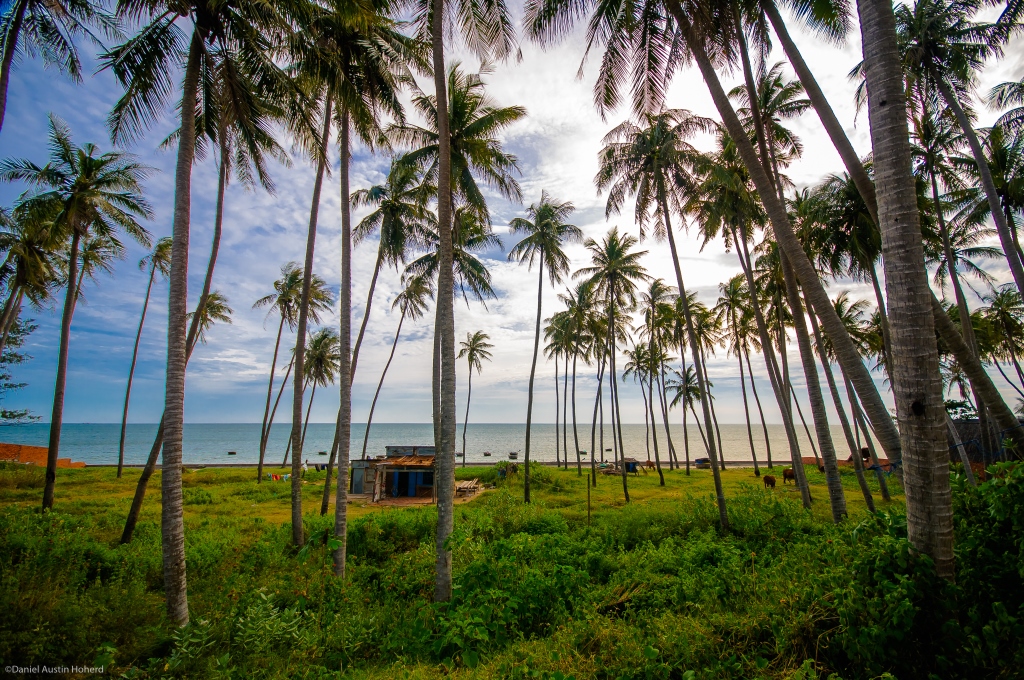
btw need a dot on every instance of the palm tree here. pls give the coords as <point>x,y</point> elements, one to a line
<point>323,359</point>
<point>657,305</point>
<point>546,235</point>
<point>734,306</point>
<point>86,194</point>
<point>614,274</point>
<point>142,65</point>
<point>475,351</point>
<point>285,301</point>
<point>401,218</point>
<point>470,275</point>
<point>216,309</point>
<point>158,260</point>
<point>686,392</point>
<point>579,313</point>
<point>49,29</point>
<point>31,266</point>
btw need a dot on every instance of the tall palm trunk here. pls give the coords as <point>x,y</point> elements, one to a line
<point>57,417</point>
<point>593,423</point>
<point>12,308</point>
<point>760,411</point>
<point>325,500</point>
<point>533,372</point>
<point>746,414</point>
<point>172,521</point>
<point>985,174</point>
<point>714,414</point>
<point>565,419</point>
<point>861,426</point>
<point>366,312</point>
<point>723,516</point>
<point>858,463</point>
<point>575,432</point>
<point>647,420</point>
<point>14,31</point>
<point>768,349</point>
<point>966,327</point>
<point>305,422</point>
<point>465,422</point>
<point>837,498</point>
<point>557,459</point>
<point>346,365</point>
<point>267,419</point>
<point>614,392</point>
<point>673,460</point>
<point>917,385</point>
<point>131,372</point>
<point>298,537</point>
<point>654,422</point>
<point>380,383</point>
<point>445,321</point>
<point>951,426</point>
<point>806,273</point>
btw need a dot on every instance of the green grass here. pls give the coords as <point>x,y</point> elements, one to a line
<point>652,589</point>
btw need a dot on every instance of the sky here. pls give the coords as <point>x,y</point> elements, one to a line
<point>556,145</point>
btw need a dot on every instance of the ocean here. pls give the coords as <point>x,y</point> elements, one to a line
<point>206,443</point>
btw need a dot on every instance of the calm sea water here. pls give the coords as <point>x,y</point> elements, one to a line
<point>210,443</point>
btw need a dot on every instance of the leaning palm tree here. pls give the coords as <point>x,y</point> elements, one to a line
<point>32,265</point>
<point>158,260</point>
<point>196,34</point>
<point>475,350</point>
<point>285,302</point>
<point>323,359</point>
<point>614,273</point>
<point>86,194</point>
<point>49,29</point>
<point>547,232</point>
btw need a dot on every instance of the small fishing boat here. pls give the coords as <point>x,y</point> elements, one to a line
<point>487,454</point>
<point>513,455</point>
<point>460,454</point>
<point>232,453</point>
<point>322,453</point>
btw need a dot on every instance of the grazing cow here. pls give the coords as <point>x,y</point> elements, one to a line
<point>788,474</point>
<point>649,465</point>
<point>865,455</point>
<point>769,482</point>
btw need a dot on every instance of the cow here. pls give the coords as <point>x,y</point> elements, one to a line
<point>769,482</point>
<point>649,465</point>
<point>788,474</point>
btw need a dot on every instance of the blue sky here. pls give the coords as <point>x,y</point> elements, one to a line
<point>557,147</point>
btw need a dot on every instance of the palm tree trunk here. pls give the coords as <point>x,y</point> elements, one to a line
<point>686,440</point>
<point>951,426</point>
<point>654,423</point>
<point>673,458</point>
<point>445,320</point>
<point>565,420</point>
<point>57,417</point>
<point>714,414</point>
<point>557,459</point>
<point>767,348</point>
<point>1007,378</point>
<point>966,327</point>
<point>647,421</point>
<point>700,430</point>
<point>465,422</point>
<point>1007,343</point>
<point>575,431</point>
<point>760,411</point>
<point>265,428</point>
<point>806,273</point>
<point>273,412</point>
<point>803,422</point>
<point>883,316</point>
<point>746,413</point>
<point>140,488</point>
<point>858,463</point>
<point>723,516</point>
<point>131,372</point>
<point>858,417</point>
<point>533,371</point>
<point>593,424</point>
<point>325,500</point>
<point>298,537</point>
<point>11,310</point>
<point>614,382</point>
<point>14,31</point>
<point>987,183</point>
<point>172,521</point>
<point>309,411</point>
<point>837,499</point>
<point>366,312</point>
<point>376,395</point>
<point>346,365</point>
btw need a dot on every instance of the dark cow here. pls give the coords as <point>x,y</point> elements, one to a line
<point>788,474</point>
<point>769,482</point>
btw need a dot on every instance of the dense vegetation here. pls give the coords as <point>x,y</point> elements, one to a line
<point>646,590</point>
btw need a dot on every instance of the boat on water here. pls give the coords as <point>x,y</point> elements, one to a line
<point>487,454</point>
<point>513,455</point>
<point>460,454</point>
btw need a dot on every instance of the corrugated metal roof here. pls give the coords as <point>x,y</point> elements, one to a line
<point>409,461</point>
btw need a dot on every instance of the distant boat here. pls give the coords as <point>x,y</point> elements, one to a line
<point>460,454</point>
<point>232,453</point>
<point>487,454</point>
<point>513,455</point>
<point>322,453</point>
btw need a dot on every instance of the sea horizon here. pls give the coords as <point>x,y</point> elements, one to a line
<point>210,443</point>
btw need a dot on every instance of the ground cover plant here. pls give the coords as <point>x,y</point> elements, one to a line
<point>651,589</point>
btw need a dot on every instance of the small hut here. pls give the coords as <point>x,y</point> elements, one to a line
<point>404,472</point>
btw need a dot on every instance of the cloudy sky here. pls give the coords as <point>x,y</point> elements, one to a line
<point>556,144</point>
